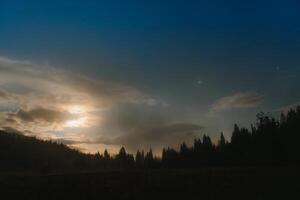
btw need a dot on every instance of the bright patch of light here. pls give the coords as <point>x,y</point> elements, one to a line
<point>75,123</point>
<point>77,109</point>
<point>82,117</point>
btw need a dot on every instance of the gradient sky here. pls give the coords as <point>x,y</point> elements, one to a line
<point>102,74</point>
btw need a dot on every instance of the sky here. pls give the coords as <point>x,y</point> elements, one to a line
<point>145,74</point>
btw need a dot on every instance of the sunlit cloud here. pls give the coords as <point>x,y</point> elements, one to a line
<point>287,108</point>
<point>237,101</point>
<point>40,99</point>
<point>82,112</point>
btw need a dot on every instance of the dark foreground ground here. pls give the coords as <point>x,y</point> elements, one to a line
<point>254,183</point>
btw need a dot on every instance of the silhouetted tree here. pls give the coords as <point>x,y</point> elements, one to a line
<point>123,159</point>
<point>149,160</point>
<point>268,142</point>
<point>222,142</point>
<point>140,159</point>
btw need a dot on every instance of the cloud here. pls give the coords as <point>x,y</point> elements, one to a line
<point>83,112</point>
<point>63,85</point>
<point>37,121</point>
<point>156,137</point>
<point>42,98</point>
<point>239,100</point>
<point>167,134</point>
<point>43,114</point>
<point>144,127</point>
<point>286,109</point>
<point>3,95</point>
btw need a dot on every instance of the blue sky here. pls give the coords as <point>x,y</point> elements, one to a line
<point>190,55</point>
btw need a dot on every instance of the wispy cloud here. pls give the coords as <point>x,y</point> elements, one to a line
<point>238,100</point>
<point>156,137</point>
<point>146,127</point>
<point>40,99</point>
<point>49,103</point>
<point>287,108</point>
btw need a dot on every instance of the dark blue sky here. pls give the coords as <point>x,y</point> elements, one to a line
<point>166,48</point>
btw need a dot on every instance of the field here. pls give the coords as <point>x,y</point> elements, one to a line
<point>244,183</point>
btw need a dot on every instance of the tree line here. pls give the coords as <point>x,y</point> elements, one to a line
<point>270,141</point>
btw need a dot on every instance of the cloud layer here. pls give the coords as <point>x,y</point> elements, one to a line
<point>146,127</point>
<point>286,109</point>
<point>41,99</point>
<point>81,112</point>
<point>238,100</point>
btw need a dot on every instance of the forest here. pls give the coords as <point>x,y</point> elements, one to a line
<point>269,142</point>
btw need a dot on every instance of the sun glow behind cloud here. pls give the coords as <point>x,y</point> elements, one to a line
<point>85,113</point>
<point>76,123</point>
<point>65,106</point>
<point>81,120</point>
<point>77,109</point>
<point>43,99</point>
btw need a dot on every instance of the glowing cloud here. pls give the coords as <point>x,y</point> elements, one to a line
<point>238,100</point>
